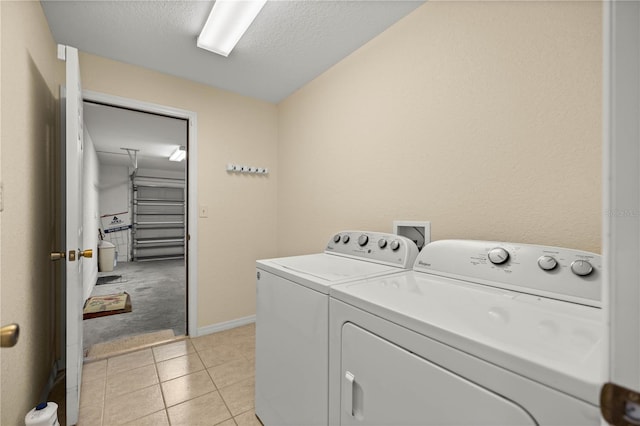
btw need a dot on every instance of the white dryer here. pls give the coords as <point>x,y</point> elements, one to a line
<point>292,320</point>
<point>479,333</point>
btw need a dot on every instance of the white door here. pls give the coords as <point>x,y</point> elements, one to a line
<point>621,236</point>
<point>384,384</point>
<point>72,124</point>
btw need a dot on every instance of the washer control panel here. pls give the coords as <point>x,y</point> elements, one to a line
<point>389,249</point>
<point>498,255</point>
<point>559,273</point>
<point>547,263</point>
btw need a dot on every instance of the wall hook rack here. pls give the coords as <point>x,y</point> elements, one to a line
<point>235,168</point>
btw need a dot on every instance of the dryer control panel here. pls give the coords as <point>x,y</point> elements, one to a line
<point>554,272</point>
<point>389,249</point>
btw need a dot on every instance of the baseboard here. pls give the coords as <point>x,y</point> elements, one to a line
<point>221,326</point>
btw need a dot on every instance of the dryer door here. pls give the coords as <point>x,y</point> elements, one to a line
<point>383,384</point>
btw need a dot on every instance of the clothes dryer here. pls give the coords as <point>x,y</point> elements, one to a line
<point>292,320</point>
<point>478,333</point>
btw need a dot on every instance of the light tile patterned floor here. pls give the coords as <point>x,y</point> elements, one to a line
<point>206,380</point>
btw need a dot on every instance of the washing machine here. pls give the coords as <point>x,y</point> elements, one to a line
<point>478,333</point>
<point>292,320</point>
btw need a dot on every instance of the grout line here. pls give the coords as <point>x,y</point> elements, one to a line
<point>252,410</point>
<point>217,389</point>
<point>226,406</point>
<point>104,394</point>
<point>137,390</point>
<point>155,364</point>
<point>146,415</point>
<point>164,399</point>
<point>215,385</point>
<point>136,349</point>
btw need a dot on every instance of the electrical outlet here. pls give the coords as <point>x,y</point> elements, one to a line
<point>204,211</point>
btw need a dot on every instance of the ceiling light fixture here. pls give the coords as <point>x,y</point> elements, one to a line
<point>227,22</point>
<point>178,154</point>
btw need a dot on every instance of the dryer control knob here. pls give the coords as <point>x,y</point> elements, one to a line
<point>547,263</point>
<point>363,240</point>
<point>395,245</point>
<point>498,256</point>
<point>581,268</point>
<point>336,238</point>
<point>382,243</point>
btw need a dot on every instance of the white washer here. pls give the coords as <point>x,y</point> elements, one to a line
<point>292,320</point>
<point>479,333</point>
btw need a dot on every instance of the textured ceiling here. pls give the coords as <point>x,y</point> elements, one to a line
<point>289,44</point>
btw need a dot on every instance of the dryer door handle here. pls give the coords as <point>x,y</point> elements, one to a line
<point>348,392</point>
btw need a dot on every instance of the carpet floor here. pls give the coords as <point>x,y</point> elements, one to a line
<point>158,299</point>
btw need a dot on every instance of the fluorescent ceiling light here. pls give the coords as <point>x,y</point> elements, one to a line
<point>178,154</point>
<point>227,22</point>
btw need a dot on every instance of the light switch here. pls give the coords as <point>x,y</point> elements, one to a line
<point>204,211</point>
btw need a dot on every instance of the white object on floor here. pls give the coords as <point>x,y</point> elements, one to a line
<point>44,414</point>
<point>106,256</point>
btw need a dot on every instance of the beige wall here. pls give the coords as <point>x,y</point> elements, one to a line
<point>482,117</point>
<point>241,226</point>
<point>29,135</point>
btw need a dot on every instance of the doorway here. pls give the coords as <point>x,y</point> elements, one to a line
<point>142,204</point>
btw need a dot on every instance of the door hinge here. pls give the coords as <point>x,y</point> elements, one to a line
<point>619,406</point>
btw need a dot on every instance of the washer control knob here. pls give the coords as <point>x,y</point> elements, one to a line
<point>547,263</point>
<point>363,240</point>
<point>581,267</point>
<point>345,238</point>
<point>498,256</point>
<point>336,238</point>
<point>395,245</point>
<point>382,243</point>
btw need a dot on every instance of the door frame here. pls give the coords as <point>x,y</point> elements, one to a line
<point>192,185</point>
<point>621,191</point>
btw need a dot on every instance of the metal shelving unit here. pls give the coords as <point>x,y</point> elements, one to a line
<point>158,219</point>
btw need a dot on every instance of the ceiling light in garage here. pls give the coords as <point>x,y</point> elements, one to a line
<point>178,154</point>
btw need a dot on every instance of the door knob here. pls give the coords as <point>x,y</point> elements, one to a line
<point>57,255</point>
<point>85,253</point>
<point>9,335</point>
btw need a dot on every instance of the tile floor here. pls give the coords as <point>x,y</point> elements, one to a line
<point>207,380</point>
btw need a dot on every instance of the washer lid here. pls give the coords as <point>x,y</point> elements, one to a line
<point>321,270</point>
<point>556,343</point>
